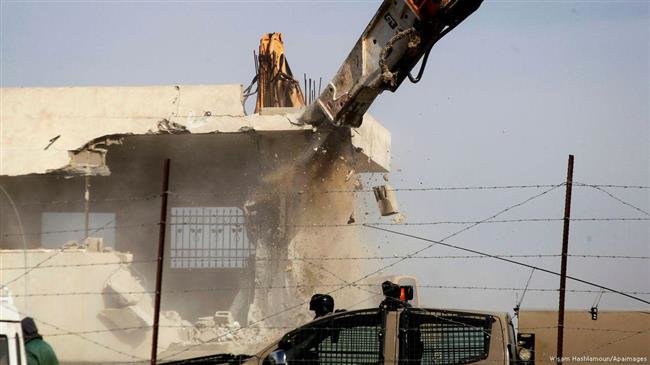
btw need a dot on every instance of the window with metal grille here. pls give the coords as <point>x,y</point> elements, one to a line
<point>442,337</point>
<point>209,237</point>
<point>349,338</point>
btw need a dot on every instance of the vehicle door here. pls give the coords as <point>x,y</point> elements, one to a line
<point>12,350</point>
<point>448,338</point>
<point>348,338</point>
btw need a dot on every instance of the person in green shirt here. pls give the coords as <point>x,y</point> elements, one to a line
<point>37,350</point>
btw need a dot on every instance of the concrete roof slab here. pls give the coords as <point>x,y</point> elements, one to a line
<point>50,129</point>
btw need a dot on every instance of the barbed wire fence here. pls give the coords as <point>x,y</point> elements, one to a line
<point>449,236</point>
<point>469,224</point>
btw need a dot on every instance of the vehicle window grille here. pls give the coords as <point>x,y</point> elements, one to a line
<point>355,345</point>
<point>349,339</point>
<point>446,338</point>
<point>209,237</point>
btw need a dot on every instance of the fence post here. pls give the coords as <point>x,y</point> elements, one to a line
<point>159,267</point>
<point>565,249</point>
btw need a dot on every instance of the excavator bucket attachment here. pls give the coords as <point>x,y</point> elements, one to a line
<point>276,85</point>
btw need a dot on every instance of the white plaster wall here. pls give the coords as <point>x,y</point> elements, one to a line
<point>58,312</point>
<point>31,117</point>
<point>374,141</point>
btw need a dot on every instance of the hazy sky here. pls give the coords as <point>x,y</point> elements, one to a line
<point>506,97</point>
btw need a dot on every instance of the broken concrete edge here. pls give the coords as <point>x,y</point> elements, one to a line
<point>90,158</point>
<point>374,141</point>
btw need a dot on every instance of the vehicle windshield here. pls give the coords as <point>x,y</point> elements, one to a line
<point>349,338</point>
<point>444,337</point>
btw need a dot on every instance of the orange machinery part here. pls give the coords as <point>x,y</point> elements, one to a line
<point>277,87</point>
<point>425,9</point>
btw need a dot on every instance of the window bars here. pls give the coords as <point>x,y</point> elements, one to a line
<point>209,238</point>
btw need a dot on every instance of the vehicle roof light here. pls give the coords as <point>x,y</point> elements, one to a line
<point>394,291</point>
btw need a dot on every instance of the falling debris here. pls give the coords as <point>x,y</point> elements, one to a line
<point>386,200</point>
<point>351,219</point>
<point>349,175</point>
<point>399,218</point>
<point>51,141</point>
<point>358,184</point>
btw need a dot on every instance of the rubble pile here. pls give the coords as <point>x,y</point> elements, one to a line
<point>221,330</point>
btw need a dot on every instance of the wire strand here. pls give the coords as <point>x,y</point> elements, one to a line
<point>313,286</point>
<point>433,243</point>
<point>618,199</point>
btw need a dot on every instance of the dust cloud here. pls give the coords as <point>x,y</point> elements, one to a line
<point>319,232</point>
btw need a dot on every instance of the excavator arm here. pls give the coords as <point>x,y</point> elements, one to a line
<point>400,34</point>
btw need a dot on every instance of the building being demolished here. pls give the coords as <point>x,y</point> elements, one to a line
<point>256,201</point>
<point>252,199</point>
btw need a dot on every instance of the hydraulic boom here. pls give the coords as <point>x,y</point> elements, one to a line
<point>398,36</point>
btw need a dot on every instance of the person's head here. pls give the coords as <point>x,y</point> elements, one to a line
<point>321,304</point>
<point>30,331</point>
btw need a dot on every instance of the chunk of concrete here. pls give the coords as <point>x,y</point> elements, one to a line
<point>223,318</point>
<point>94,244</point>
<point>386,199</point>
<point>208,335</point>
<point>124,288</point>
<point>204,322</point>
<point>132,317</point>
